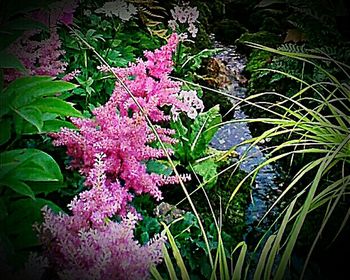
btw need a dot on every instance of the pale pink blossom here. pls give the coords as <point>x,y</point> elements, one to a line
<point>193,14</point>
<point>184,18</point>
<point>109,251</point>
<point>173,24</point>
<point>192,29</point>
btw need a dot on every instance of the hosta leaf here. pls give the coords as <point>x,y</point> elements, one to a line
<point>208,170</point>
<point>32,115</point>
<point>19,187</point>
<point>57,106</point>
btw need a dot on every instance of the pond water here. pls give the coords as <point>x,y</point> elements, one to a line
<point>264,190</point>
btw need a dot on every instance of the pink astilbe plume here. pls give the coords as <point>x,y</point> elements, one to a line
<point>150,83</point>
<point>125,139</point>
<point>109,251</point>
<point>43,56</point>
<point>88,244</point>
<point>112,150</point>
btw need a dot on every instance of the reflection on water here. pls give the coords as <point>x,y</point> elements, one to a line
<point>264,190</point>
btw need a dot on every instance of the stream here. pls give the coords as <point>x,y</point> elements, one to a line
<point>265,190</point>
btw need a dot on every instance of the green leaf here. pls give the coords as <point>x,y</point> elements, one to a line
<point>8,60</point>
<point>19,124</point>
<point>23,164</point>
<point>18,85</point>
<point>32,115</point>
<point>57,106</point>
<point>44,88</point>
<point>48,126</point>
<point>3,208</point>
<point>5,128</point>
<point>155,166</point>
<point>208,170</point>
<point>24,83</point>
<point>203,130</point>
<point>46,187</point>
<point>182,146</point>
<point>19,187</point>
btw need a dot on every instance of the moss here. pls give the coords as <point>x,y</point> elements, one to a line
<point>262,37</point>
<point>202,40</point>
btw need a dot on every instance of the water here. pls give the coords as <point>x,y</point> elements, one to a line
<point>265,190</point>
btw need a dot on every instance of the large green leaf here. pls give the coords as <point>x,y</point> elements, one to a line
<point>23,165</point>
<point>57,106</point>
<point>202,131</point>
<point>18,186</point>
<point>32,115</point>
<point>5,128</point>
<point>18,85</point>
<point>48,126</point>
<point>44,88</point>
<point>208,170</point>
<point>8,60</point>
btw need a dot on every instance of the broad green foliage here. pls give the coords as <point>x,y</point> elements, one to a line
<point>118,42</point>
<point>33,105</point>
<point>29,105</point>
<point>192,148</point>
<point>20,166</point>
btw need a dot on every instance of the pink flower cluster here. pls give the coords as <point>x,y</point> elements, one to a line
<point>108,251</point>
<point>124,141</point>
<point>56,13</point>
<point>88,244</point>
<point>111,150</point>
<point>183,15</point>
<point>38,57</point>
<point>43,56</point>
<point>123,138</point>
<point>149,82</point>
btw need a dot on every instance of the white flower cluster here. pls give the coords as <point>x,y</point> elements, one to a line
<point>182,15</point>
<point>118,8</point>
<point>191,104</point>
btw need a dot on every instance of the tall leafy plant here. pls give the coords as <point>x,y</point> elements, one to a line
<point>30,106</point>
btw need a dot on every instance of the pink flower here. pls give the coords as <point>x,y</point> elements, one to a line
<point>109,251</point>
<point>38,57</point>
